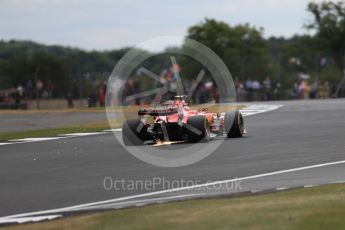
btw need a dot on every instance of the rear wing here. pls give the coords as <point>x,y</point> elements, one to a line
<point>157,112</point>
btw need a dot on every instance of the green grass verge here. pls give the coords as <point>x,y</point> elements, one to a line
<point>312,208</point>
<point>51,132</point>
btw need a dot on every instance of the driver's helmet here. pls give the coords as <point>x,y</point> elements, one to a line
<point>179,99</point>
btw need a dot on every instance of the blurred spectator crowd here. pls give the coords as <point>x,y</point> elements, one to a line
<point>19,96</point>
<point>16,97</point>
<point>303,89</point>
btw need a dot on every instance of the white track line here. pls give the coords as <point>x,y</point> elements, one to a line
<point>105,202</point>
<point>146,201</point>
<point>112,130</point>
<point>81,134</point>
<point>309,186</point>
<point>338,182</point>
<point>34,139</point>
<point>256,109</point>
<point>29,219</point>
<point>282,188</point>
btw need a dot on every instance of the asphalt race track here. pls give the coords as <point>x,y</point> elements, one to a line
<point>66,172</point>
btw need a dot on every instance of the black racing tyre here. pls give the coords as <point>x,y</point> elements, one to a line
<point>133,132</point>
<point>198,129</point>
<point>234,124</point>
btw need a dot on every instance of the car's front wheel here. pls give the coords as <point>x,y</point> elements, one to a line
<point>234,124</point>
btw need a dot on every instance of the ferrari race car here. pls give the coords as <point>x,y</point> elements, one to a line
<point>175,121</point>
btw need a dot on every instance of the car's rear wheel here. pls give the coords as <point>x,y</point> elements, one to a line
<point>234,124</point>
<point>198,129</point>
<point>133,132</point>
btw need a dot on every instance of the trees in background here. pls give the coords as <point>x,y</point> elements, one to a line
<point>19,70</point>
<point>22,61</point>
<point>329,24</point>
<point>241,47</point>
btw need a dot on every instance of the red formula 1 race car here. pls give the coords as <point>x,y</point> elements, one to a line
<point>175,121</point>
